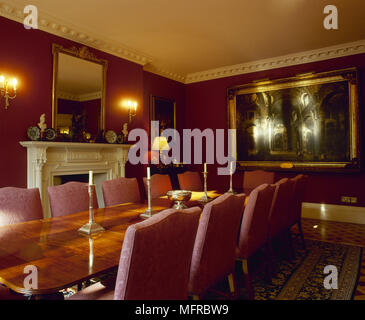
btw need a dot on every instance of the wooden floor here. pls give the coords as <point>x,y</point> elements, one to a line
<point>340,232</point>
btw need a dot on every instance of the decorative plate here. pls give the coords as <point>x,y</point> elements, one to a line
<point>50,134</point>
<point>34,133</point>
<point>110,136</point>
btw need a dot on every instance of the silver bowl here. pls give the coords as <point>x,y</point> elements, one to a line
<point>179,197</point>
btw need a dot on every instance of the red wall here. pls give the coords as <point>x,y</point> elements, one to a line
<point>206,108</point>
<point>27,55</point>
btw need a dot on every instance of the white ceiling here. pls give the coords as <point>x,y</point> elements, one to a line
<point>182,37</point>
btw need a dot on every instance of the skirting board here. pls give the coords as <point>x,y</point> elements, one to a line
<point>333,212</point>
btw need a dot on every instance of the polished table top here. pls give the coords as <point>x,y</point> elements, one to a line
<point>62,255</point>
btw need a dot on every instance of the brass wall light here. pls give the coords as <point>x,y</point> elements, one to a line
<point>8,89</point>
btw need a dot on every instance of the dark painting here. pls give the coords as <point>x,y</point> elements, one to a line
<point>301,124</point>
<point>163,110</point>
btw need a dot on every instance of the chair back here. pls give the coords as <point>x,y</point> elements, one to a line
<point>156,256</point>
<point>190,180</point>
<point>295,213</point>
<point>253,179</point>
<point>120,190</point>
<point>254,226</point>
<point>160,184</point>
<point>69,198</point>
<point>279,212</point>
<point>215,243</point>
<point>19,205</point>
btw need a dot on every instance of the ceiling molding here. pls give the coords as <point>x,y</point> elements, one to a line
<point>346,49</point>
<point>164,73</point>
<point>52,26</point>
<point>79,97</point>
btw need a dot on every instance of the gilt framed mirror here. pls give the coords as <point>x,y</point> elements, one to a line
<point>78,97</point>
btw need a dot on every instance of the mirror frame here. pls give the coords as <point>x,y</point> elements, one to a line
<point>81,53</point>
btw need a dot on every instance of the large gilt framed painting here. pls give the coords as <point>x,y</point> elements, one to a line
<point>308,122</point>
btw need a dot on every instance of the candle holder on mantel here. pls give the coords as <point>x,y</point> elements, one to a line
<point>91,227</point>
<point>205,197</point>
<point>149,212</point>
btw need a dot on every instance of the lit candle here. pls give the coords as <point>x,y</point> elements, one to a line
<point>2,82</point>
<point>231,169</point>
<point>205,167</point>
<point>15,82</point>
<point>148,173</point>
<point>135,106</point>
<point>90,177</point>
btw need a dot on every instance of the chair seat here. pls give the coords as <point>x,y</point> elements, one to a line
<point>94,292</point>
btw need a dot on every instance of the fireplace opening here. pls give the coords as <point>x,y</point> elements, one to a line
<point>98,179</point>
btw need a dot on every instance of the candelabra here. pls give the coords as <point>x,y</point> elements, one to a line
<point>91,226</point>
<point>148,213</point>
<point>132,110</point>
<point>205,197</point>
<point>5,90</point>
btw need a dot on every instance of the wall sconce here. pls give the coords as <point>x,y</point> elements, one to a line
<point>7,87</point>
<point>132,109</point>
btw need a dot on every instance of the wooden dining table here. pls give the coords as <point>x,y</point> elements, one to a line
<point>63,256</point>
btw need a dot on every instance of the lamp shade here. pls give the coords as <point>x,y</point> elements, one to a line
<point>160,143</point>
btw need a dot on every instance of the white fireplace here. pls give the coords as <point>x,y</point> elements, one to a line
<point>48,161</point>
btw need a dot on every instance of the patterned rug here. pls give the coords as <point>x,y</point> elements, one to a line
<point>302,278</point>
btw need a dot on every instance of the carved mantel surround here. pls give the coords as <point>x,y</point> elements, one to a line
<point>46,160</point>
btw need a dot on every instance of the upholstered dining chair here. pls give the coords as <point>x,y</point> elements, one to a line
<point>160,184</point>
<point>19,205</point>
<point>295,212</point>
<point>155,259</point>
<point>190,180</point>
<point>254,231</point>
<point>120,190</point>
<point>253,179</point>
<point>279,213</point>
<point>70,197</point>
<point>215,244</point>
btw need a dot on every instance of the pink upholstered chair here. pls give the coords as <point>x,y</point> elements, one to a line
<point>155,259</point>
<point>190,180</point>
<point>215,244</point>
<point>120,190</point>
<point>279,213</point>
<point>70,197</point>
<point>19,205</point>
<point>254,230</point>
<point>160,184</point>
<point>295,212</point>
<point>253,179</point>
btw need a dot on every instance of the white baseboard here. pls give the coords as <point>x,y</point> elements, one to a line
<point>333,212</point>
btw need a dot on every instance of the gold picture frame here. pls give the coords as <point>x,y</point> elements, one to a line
<point>307,122</point>
<point>164,111</point>
<point>85,54</point>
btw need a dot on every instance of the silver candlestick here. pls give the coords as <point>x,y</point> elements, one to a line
<point>91,226</point>
<point>231,185</point>
<point>148,213</point>
<point>205,197</point>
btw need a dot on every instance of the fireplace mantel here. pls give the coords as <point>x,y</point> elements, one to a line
<point>46,160</point>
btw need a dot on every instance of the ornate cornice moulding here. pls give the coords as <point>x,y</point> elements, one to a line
<point>52,26</point>
<point>346,49</point>
<point>79,97</point>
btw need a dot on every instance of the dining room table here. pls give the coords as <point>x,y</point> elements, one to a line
<point>63,256</point>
